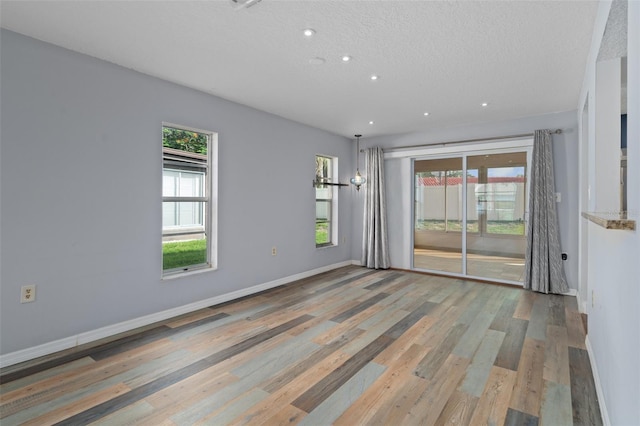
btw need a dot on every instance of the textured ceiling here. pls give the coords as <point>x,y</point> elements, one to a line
<point>614,40</point>
<point>523,58</point>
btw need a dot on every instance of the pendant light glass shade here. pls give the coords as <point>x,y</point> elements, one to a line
<point>358,179</point>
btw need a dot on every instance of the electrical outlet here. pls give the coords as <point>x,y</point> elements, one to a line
<point>558,197</point>
<point>28,293</point>
<point>274,251</point>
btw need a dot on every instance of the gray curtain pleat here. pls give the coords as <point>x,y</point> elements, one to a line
<point>375,243</point>
<point>544,271</point>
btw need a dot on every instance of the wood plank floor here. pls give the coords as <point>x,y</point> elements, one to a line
<point>478,265</point>
<point>348,347</point>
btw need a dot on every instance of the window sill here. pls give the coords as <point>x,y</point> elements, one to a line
<point>176,275</point>
<point>326,247</point>
<point>611,220</point>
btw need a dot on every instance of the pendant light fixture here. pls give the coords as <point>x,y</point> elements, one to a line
<point>358,179</point>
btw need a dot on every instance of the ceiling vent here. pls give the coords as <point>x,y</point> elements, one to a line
<point>243,4</point>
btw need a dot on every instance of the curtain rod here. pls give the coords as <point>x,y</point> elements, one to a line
<point>553,132</point>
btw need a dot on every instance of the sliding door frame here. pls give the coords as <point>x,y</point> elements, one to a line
<point>463,151</point>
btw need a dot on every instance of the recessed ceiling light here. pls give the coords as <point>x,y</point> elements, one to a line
<point>371,122</point>
<point>484,104</point>
<point>425,114</point>
<point>317,61</point>
<point>374,77</point>
<point>309,32</point>
<point>240,4</point>
<point>346,58</point>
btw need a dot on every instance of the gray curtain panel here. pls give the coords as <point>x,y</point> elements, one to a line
<point>544,271</point>
<point>375,243</point>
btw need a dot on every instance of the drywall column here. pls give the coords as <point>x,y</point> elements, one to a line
<point>607,142</point>
<point>584,204</point>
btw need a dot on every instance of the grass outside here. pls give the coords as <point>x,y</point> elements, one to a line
<point>504,227</point>
<point>493,226</point>
<point>439,225</point>
<point>322,233</point>
<point>180,254</point>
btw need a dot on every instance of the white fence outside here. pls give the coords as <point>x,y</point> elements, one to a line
<point>503,201</point>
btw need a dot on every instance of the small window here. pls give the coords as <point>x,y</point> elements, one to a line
<point>326,201</point>
<point>187,198</point>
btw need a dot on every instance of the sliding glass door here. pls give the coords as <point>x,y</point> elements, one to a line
<point>470,214</point>
<point>496,243</point>
<point>438,215</point>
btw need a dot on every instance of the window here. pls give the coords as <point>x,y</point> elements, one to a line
<point>326,201</point>
<point>188,196</point>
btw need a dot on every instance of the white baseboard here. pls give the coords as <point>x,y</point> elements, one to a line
<point>596,380</point>
<point>111,330</point>
<point>37,351</point>
<point>572,292</point>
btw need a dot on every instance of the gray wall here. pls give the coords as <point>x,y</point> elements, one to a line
<point>565,150</point>
<point>80,176</point>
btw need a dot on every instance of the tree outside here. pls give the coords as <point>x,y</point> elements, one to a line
<point>184,140</point>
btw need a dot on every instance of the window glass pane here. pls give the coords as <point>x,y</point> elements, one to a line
<point>181,215</point>
<point>190,214</point>
<point>505,200</point>
<point>184,140</point>
<point>324,203</point>
<point>323,193</point>
<point>497,248</point>
<point>178,183</point>
<point>184,225</point>
<point>184,253</point>
<point>438,215</point>
<point>169,215</point>
<point>323,222</point>
<point>439,200</point>
<point>169,183</point>
<point>323,210</point>
<point>183,235</point>
<point>191,184</point>
<point>322,233</point>
<point>323,168</point>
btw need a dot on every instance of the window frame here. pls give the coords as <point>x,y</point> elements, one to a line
<point>333,202</point>
<point>208,198</point>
